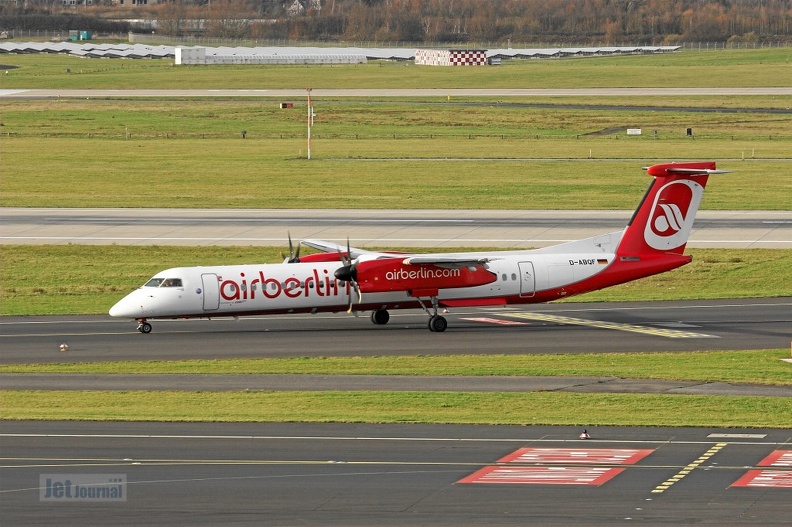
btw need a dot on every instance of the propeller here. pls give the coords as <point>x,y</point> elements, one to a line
<point>348,273</point>
<point>294,257</point>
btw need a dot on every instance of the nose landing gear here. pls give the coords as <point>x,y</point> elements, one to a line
<point>143,326</point>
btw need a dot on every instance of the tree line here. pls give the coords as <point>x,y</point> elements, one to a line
<point>614,22</point>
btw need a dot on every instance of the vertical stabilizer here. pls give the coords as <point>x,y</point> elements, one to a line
<point>664,219</point>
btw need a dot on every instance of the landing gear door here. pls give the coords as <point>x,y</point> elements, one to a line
<point>527,279</point>
<point>211,292</point>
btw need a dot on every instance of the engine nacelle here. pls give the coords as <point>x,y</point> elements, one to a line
<point>392,274</point>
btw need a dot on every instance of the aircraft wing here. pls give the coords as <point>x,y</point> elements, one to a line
<point>330,247</point>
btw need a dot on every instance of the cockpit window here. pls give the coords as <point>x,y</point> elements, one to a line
<point>164,282</point>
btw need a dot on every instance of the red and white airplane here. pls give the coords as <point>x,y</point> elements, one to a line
<point>346,279</point>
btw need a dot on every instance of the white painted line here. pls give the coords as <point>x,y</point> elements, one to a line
<point>737,436</point>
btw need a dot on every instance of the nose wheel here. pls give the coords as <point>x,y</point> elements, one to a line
<point>143,326</point>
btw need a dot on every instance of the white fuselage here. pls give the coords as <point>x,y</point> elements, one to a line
<point>305,287</point>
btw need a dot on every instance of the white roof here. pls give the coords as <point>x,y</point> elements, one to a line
<point>295,52</point>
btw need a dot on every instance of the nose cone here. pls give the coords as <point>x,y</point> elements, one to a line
<point>127,307</point>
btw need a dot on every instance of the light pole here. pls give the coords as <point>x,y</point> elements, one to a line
<point>311,116</point>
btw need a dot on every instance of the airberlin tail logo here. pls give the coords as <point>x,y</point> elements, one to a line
<point>673,212</point>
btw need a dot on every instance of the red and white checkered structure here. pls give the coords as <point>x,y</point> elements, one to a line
<point>450,57</point>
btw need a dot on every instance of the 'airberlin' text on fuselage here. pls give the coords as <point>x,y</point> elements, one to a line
<point>291,287</point>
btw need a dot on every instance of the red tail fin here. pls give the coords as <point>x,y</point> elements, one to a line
<point>663,220</point>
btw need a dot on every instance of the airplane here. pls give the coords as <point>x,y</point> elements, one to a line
<point>343,278</point>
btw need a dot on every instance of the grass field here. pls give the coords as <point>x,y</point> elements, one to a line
<point>478,156</point>
<point>744,366</point>
<point>533,408</point>
<point>727,68</point>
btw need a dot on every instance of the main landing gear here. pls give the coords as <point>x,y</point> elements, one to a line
<point>380,317</point>
<point>143,326</point>
<point>437,323</point>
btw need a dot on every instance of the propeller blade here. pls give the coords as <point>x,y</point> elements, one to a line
<point>348,273</point>
<point>294,257</point>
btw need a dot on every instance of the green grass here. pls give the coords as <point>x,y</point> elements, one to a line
<point>744,366</point>
<point>84,279</point>
<point>766,67</point>
<point>378,155</point>
<point>372,118</point>
<point>401,407</point>
<point>236,173</point>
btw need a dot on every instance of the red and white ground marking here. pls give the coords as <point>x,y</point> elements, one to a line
<point>567,456</point>
<point>533,472</point>
<point>769,478</point>
<point>594,476</point>
<point>779,458</point>
<point>497,321</point>
<point>765,479</point>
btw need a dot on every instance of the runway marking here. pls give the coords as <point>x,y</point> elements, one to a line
<point>92,334</point>
<point>688,469</point>
<point>510,471</point>
<point>770,478</point>
<point>779,458</point>
<point>500,321</point>
<point>737,436</point>
<point>409,241</point>
<point>576,440</point>
<point>765,479</point>
<point>602,456</point>
<point>594,476</point>
<point>658,332</point>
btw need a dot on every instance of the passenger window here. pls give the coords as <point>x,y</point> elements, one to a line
<point>514,276</point>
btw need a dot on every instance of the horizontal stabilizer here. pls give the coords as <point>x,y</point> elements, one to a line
<point>686,169</point>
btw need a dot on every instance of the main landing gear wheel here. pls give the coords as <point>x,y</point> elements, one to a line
<point>380,316</point>
<point>144,327</point>
<point>437,323</point>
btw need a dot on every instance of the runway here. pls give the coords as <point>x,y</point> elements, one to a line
<point>388,93</point>
<point>543,328</point>
<point>368,228</point>
<point>359,474</point>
